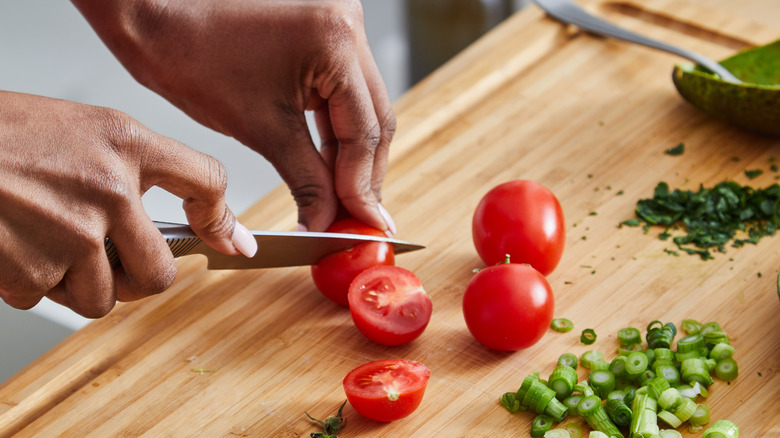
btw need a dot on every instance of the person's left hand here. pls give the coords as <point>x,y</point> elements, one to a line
<point>250,69</point>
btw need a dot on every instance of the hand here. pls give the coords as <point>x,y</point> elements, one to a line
<point>72,175</point>
<point>250,69</point>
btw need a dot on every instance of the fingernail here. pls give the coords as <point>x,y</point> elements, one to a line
<point>244,241</point>
<point>302,227</point>
<point>391,229</point>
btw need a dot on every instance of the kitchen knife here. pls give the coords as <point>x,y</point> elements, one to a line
<point>274,248</point>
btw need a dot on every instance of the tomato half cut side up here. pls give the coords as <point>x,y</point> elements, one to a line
<point>389,305</point>
<point>386,390</point>
<point>333,274</point>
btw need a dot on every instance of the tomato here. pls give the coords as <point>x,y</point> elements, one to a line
<point>523,219</point>
<point>333,274</point>
<point>386,390</point>
<point>389,305</point>
<point>508,306</point>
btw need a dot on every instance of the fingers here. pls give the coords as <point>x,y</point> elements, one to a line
<point>289,147</point>
<point>88,286</point>
<point>200,181</point>
<point>356,126</point>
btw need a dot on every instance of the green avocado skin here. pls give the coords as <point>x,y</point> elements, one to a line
<point>753,105</point>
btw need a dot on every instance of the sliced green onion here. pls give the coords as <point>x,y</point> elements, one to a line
<point>716,337</point>
<point>597,434</point>
<point>591,409</point>
<point>669,433</point>
<point>645,419</point>
<point>541,424</point>
<point>645,377</point>
<point>636,363</point>
<point>629,398</point>
<point>721,351</point>
<point>572,401</point>
<point>656,386</point>
<point>662,353</point>
<point>669,418</point>
<point>590,357</point>
<point>556,409</point>
<point>709,328</point>
<point>538,396</point>
<point>557,433</point>
<point>602,381</point>
<point>685,409</point>
<point>668,372</point>
<point>701,415</point>
<point>722,429</point>
<point>660,335</point>
<point>562,381</point>
<point>562,325</point>
<point>584,388</point>
<point>588,336</point>
<point>527,382</point>
<point>650,353</point>
<point>618,411</point>
<point>710,364</point>
<point>693,391</point>
<point>626,351</point>
<point>510,402</point>
<point>568,359</point>
<point>574,429</point>
<point>691,326</point>
<point>617,394</point>
<point>727,369</point>
<point>690,343</point>
<point>670,399</point>
<point>629,336</point>
<point>618,366</point>
<point>695,370</point>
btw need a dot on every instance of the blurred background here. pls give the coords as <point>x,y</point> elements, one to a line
<point>48,49</point>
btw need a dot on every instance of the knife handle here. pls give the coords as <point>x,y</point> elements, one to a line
<point>180,238</point>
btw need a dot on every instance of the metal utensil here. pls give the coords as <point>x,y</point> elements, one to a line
<point>569,12</point>
<point>275,248</point>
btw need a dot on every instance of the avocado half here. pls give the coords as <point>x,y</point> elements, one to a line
<point>753,105</point>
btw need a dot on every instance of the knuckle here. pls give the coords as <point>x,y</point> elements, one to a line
<point>158,279</point>
<point>389,125</point>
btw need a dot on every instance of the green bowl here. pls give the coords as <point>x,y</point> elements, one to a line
<point>753,105</point>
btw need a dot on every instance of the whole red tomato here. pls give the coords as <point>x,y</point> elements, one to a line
<point>522,219</point>
<point>333,274</point>
<point>508,306</point>
<point>389,305</point>
<point>386,390</point>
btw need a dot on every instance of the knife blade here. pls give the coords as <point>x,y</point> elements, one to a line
<point>275,249</point>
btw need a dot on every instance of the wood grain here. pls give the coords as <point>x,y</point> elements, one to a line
<point>585,116</point>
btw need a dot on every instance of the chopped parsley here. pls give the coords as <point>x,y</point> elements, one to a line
<point>711,217</point>
<point>753,173</point>
<point>677,150</point>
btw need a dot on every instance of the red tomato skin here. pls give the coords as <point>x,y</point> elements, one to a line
<point>379,407</point>
<point>333,274</point>
<point>508,306</point>
<point>391,327</point>
<point>523,219</point>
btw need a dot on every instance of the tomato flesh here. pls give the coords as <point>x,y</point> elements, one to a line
<point>386,390</point>
<point>523,219</point>
<point>389,305</point>
<point>333,274</point>
<point>508,306</point>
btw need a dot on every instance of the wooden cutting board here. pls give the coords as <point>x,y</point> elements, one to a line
<point>587,117</point>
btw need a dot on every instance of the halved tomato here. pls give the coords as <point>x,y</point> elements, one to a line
<point>333,274</point>
<point>389,305</point>
<point>386,390</point>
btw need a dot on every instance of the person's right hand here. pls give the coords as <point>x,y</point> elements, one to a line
<point>72,175</point>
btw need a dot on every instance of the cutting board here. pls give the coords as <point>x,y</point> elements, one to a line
<point>589,118</point>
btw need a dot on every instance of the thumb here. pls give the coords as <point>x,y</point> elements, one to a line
<point>200,181</point>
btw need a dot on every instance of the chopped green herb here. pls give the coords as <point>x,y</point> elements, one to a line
<point>330,425</point>
<point>773,168</point>
<point>711,217</point>
<point>619,193</point>
<point>592,213</point>
<point>677,150</point>
<point>753,173</point>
